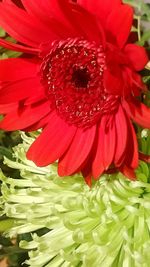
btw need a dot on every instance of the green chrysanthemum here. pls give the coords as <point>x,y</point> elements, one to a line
<point>106,225</point>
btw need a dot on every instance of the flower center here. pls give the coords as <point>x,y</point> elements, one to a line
<point>72,74</point>
<point>81,77</point>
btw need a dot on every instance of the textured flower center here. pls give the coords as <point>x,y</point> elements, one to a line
<point>81,77</point>
<point>73,75</point>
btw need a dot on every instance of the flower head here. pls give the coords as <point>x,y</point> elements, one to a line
<point>106,225</point>
<point>80,83</point>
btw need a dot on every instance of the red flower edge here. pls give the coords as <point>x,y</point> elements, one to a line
<point>80,84</point>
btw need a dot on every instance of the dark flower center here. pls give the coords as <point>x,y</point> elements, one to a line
<point>72,74</point>
<point>81,77</point>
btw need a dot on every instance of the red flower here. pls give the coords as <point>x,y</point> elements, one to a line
<point>80,83</point>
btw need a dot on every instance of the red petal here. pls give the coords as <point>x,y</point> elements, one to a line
<point>98,165</point>
<point>38,125</point>
<point>132,155</point>
<point>87,172</point>
<point>119,24</point>
<point>16,91</point>
<point>81,20</point>
<point>22,118</point>
<point>137,56</point>
<point>129,172</point>
<point>133,83</point>
<point>18,68</point>
<point>53,141</point>
<point>8,2</point>
<point>138,82</point>
<point>13,2</point>
<point>88,180</point>
<point>109,144</point>
<point>144,157</point>
<point>18,47</point>
<point>34,98</point>
<point>77,152</point>
<point>113,80</point>
<point>138,112</point>
<point>51,14</point>
<point>105,146</point>
<point>100,8</point>
<point>4,109</point>
<point>29,28</point>
<point>122,133</point>
<point>86,167</point>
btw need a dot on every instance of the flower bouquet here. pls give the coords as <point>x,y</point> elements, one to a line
<point>74,81</point>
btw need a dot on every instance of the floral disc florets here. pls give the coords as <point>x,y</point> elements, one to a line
<point>73,75</point>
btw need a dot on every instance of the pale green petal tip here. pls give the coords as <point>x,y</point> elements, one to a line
<point>105,226</point>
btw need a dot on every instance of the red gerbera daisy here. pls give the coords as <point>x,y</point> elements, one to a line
<point>80,83</point>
